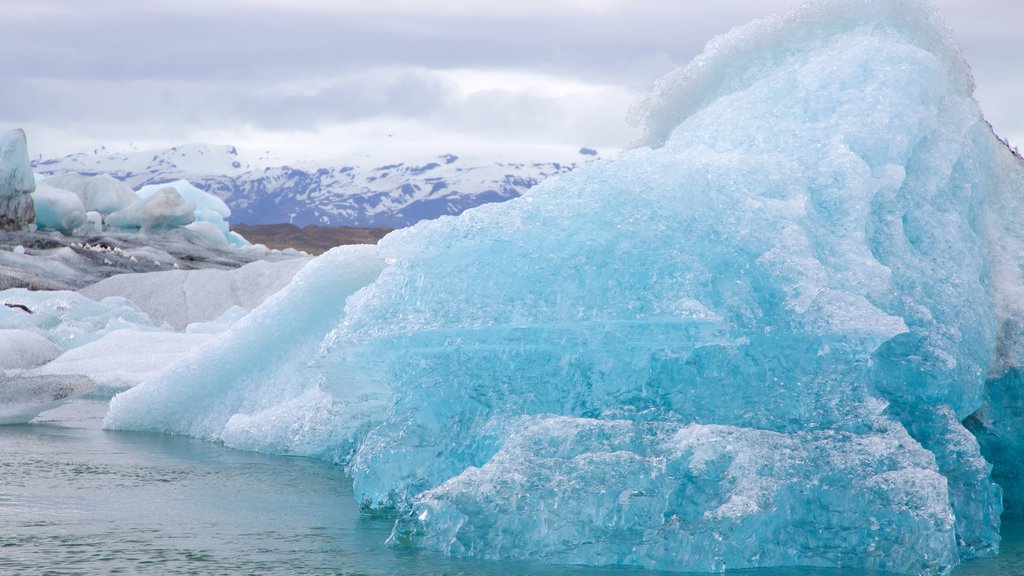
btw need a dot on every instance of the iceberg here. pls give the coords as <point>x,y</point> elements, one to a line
<point>58,209</point>
<point>140,354</point>
<point>101,193</point>
<point>753,339</point>
<point>69,319</point>
<point>17,183</point>
<point>259,395</point>
<point>210,211</point>
<point>76,204</point>
<point>21,349</point>
<point>183,297</point>
<point>22,398</point>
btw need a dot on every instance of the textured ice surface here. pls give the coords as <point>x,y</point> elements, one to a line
<point>69,319</point>
<point>22,398</point>
<point>162,210</point>
<point>49,260</point>
<point>16,182</point>
<point>58,209</point>
<point>251,387</point>
<point>153,208</point>
<point>692,497</point>
<point>100,193</point>
<point>749,341</point>
<point>122,330</point>
<point>209,209</point>
<point>20,349</point>
<point>123,358</point>
<point>181,297</point>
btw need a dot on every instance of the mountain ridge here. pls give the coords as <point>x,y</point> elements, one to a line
<point>345,192</point>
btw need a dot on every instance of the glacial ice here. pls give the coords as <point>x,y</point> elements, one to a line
<point>259,395</point>
<point>209,209</point>
<point>103,201</point>
<point>127,328</point>
<point>182,297</point>
<point>58,209</point>
<point>101,193</point>
<point>21,349</point>
<point>749,341</point>
<point>69,319</point>
<point>163,210</point>
<point>16,182</point>
<point>139,354</point>
<point>22,398</point>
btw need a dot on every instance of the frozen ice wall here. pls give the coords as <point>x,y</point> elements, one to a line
<point>749,341</point>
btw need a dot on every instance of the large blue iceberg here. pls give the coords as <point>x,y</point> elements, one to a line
<point>751,340</point>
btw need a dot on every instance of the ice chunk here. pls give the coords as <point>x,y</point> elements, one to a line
<point>22,398</point>
<point>139,354</point>
<point>58,209</point>
<point>107,195</point>
<point>69,319</point>
<point>161,210</point>
<point>16,182</point>
<point>208,234</point>
<point>73,182</point>
<point>252,386</point>
<point>93,224</point>
<point>698,498</point>
<point>20,349</point>
<point>101,193</point>
<point>209,210</point>
<point>181,297</point>
<point>750,341</point>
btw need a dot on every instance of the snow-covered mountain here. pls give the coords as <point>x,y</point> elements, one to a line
<point>350,192</point>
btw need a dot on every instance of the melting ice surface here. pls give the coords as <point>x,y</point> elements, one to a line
<point>750,341</point>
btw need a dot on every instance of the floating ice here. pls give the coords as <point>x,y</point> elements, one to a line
<point>127,328</point>
<point>21,349</point>
<point>750,341</point>
<point>22,398</point>
<point>181,297</point>
<point>209,209</point>
<point>258,394</point>
<point>139,355</point>
<point>162,210</point>
<point>101,193</point>
<point>69,319</point>
<point>208,234</point>
<point>16,182</point>
<point>153,208</point>
<point>59,209</point>
<point>93,223</point>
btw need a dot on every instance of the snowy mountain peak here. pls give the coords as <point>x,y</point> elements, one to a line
<point>146,164</point>
<point>352,191</point>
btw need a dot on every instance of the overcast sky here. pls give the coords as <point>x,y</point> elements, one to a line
<point>309,79</point>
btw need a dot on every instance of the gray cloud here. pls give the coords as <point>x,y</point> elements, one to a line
<point>121,69</point>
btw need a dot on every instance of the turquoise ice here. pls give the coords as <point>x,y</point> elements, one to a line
<point>750,340</point>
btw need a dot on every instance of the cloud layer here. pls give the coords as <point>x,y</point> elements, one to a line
<point>315,78</point>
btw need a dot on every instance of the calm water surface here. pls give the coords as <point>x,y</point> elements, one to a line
<point>77,500</point>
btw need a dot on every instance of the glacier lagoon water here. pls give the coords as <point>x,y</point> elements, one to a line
<point>78,500</point>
